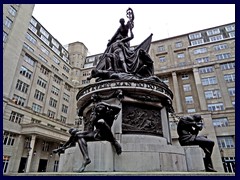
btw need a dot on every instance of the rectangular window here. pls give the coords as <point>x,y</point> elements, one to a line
<point>185,76</point>
<point>27,58</point>
<point>56,60</point>
<point>25,72</point>
<point>8,23</point>
<point>8,138</point>
<point>205,70</point>
<point>223,56</point>
<point>55,90</point>
<point>41,82</point>
<point>165,80</point>
<point>55,166</point>
<point>32,28</point>
<point>36,108</point>
<point>200,51</point>
<point>64,108</point>
<point>220,122</point>
<point>195,36</point>
<point>55,43</point>
<point>45,146</point>
<point>33,22</point>
<point>44,70</point>
<point>35,121</point>
<point>216,38</point>
<point>189,100</point>
<point>229,77</point>
<point>53,102</point>
<point>209,81</point>
<point>50,114</point>
<point>28,47</point>
<point>197,42</point>
<point>16,117</point>
<point>160,48</point>
<point>45,40</point>
<point>229,164</point>
<point>66,68</point>
<point>19,100</point>
<point>180,55</point>
<point>225,142</point>
<point>63,119</point>
<point>186,87</point>
<point>230,28</point>
<point>191,110</point>
<point>202,60</point>
<point>213,32</point>
<point>162,59</point>
<point>44,32</point>
<point>44,50</point>
<point>85,81</point>
<point>66,97</point>
<point>232,34</point>
<point>42,59</point>
<point>5,163</point>
<point>56,79</point>
<point>56,50</point>
<point>30,38</point>
<point>54,68</point>
<point>39,95</point>
<point>64,76</point>
<point>220,47</point>
<point>67,86</point>
<point>231,91</point>
<point>212,94</point>
<point>216,107</point>
<point>178,44</point>
<point>27,142</point>
<point>21,86</point>
<point>12,11</point>
<point>230,65</point>
<point>5,35</point>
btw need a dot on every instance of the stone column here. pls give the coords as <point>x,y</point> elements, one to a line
<point>177,93</point>
<point>201,96</point>
<point>30,154</point>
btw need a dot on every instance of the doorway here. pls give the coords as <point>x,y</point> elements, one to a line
<point>22,165</point>
<point>42,165</point>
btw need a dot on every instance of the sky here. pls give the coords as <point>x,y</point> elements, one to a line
<point>95,24</point>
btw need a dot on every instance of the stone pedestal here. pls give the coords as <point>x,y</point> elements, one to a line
<point>142,129</point>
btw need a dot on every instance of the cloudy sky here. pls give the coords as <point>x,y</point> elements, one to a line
<point>95,24</point>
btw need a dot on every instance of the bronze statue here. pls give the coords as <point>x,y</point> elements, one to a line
<point>188,128</point>
<point>101,118</point>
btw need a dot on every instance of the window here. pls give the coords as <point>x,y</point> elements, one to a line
<point>66,68</point>
<point>220,122</point>
<point>67,86</point>
<point>41,82</point>
<point>229,164</point>
<point>78,121</point>
<point>12,11</point>
<point>36,108</point>
<point>28,47</point>
<point>209,80</point>
<point>42,59</point>
<point>8,23</point>
<point>51,114</point>
<point>53,102</point>
<point>229,77</point>
<point>215,107</point>
<point>185,76</point>
<point>182,64</point>
<point>55,43</point>
<point>32,28</point>
<point>64,76</point>
<point>27,58</point>
<point>16,117</point>
<point>25,72</point>
<point>197,42</point>
<point>54,68</point>
<point>189,100</point>
<point>5,163</point>
<point>231,91</point>
<point>200,51</point>
<point>232,34</point>
<point>39,95</point>
<point>56,79</point>
<point>233,103</point>
<point>55,90</point>
<point>45,40</point>
<point>31,39</point>
<point>21,86</point>
<point>27,142</point>
<point>225,142</point>
<point>216,38</point>
<point>178,44</point>
<point>8,138</point>
<point>33,22</point>
<point>55,166</point>
<point>56,60</point>
<point>165,79</point>
<point>35,121</point>
<point>186,87</point>
<point>195,36</point>
<point>66,97</point>
<point>220,47</point>
<point>180,55</point>
<point>212,94</point>
<point>19,100</point>
<point>230,65</point>
<point>213,32</point>
<point>44,32</point>
<point>162,59</point>
<point>202,60</point>
<point>160,48</point>
<point>230,28</point>
<point>85,81</point>
<point>223,56</point>
<point>205,70</point>
<point>191,110</point>
<point>5,35</point>
<point>56,50</point>
<point>63,119</point>
<point>44,70</point>
<point>64,108</point>
<point>44,50</point>
<point>45,146</point>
